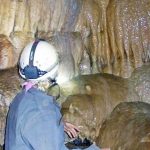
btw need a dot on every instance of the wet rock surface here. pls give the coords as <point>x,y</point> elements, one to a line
<point>98,95</point>
<point>7,53</point>
<point>139,82</point>
<point>91,99</point>
<point>9,86</point>
<point>115,33</point>
<point>127,128</point>
<point>98,36</point>
<point>70,50</point>
<point>134,88</point>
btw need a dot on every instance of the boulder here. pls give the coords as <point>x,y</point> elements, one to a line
<point>127,128</point>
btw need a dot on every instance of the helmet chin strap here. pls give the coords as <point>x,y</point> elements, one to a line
<point>52,74</point>
<point>53,86</point>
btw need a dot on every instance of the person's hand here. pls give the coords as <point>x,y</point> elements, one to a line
<point>71,129</point>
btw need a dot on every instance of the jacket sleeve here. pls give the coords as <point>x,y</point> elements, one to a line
<point>44,132</point>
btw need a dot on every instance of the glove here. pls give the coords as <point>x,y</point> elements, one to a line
<point>79,144</point>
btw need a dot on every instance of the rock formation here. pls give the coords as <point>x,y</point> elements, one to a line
<point>90,95</point>
<point>70,50</point>
<point>128,127</point>
<point>9,86</point>
<point>115,33</point>
<point>90,99</point>
<point>91,36</point>
<point>128,29</point>
<point>7,53</point>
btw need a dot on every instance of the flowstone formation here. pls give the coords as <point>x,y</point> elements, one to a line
<point>128,29</point>
<point>90,36</point>
<point>115,33</point>
<point>89,100</point>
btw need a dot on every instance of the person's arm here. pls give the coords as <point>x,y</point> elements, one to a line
<point>44,132</point>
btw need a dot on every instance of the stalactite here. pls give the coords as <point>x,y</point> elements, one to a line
<point>117,32</point>
<point>128,29</point>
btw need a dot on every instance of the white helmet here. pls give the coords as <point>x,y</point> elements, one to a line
<point>38,61</point>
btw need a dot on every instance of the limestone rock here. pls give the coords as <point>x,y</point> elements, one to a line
<point>90,99</point>
<point>98,94</point>
<point>127,128</point>
<point>128,31</point>
<point>115,33</point>
<point>9,86</point>
<point>70,50</point>
<point>7,53</point>
<point>139,82</point>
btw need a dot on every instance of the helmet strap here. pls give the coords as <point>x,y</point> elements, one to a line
<point>31,71</point>
<point>52,90</point>
<point>32,52</point>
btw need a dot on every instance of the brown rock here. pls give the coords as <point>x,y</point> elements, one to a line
<point>128,31</point>
<point>91,99</point>
<point>7,53</point>
<point>9,86</point>
<point>127,128</point>
<point>115,32</point>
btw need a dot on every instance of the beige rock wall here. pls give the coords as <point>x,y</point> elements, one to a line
<point>115,33</point>
<point>9,87</point>
<point>90,99</point>
<point>7,53</point>
<point>128,25</point>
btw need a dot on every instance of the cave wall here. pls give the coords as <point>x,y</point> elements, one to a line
<point>92,36</point>
<point>89,100</point>
<point>115,33</point>
<point>128,29</point>
<point>10,85</point>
